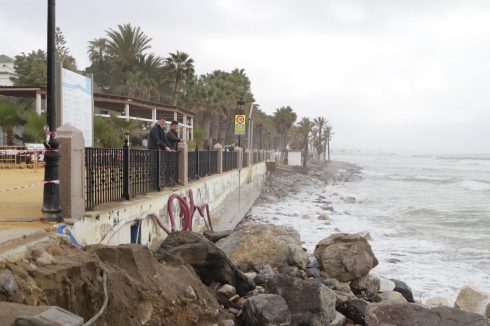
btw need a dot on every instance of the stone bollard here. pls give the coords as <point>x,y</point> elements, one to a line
<point>239,151</point>
<point>249,156</point>
<point>219,158</point>
<point>183,163</point>
<point>72,168</point>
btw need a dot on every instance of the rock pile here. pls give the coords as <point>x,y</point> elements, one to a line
<point>256,276</point>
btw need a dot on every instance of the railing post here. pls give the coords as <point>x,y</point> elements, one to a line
<point>197,162</point>
<point>158,167</point>
<point>126,169</point>
<point>219,158</point>
<point>209,160</point>
<point>183,163</point>
<point>72,172</point>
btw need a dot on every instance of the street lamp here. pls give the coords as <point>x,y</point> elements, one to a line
<point>240,104</point>
<point>251,125</point>
<point>51,192</point>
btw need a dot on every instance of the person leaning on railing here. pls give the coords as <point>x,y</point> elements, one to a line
<point>172,136</point>
<point>157,138</point>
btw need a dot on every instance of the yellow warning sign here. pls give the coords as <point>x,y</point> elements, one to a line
<point>240,124</point>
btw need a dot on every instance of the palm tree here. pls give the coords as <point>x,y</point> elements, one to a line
<point>305,126</point>
<point>97,49</point>
<point>181,65</point>
<point>10,117</point>
<point>126,44</point>
<point>284,118</point>
<point>320,123</point>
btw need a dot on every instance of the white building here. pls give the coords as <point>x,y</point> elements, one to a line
<point>7,70</point>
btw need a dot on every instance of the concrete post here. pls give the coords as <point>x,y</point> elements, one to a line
<point>183,163</point>
<point>184,121</point>
<point>72,172</point>
<point>153,115</point>
<point>192,128</point>
<point>38,103</point>
<point>219,158</point>
<point>126,111</point>
<point>239,151</point>
<point>249,156</point>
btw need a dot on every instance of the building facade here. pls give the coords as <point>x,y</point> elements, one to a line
<point>7,70</point>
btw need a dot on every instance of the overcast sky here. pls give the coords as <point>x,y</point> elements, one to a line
<point>390,75</point>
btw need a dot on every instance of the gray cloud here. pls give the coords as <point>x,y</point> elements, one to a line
<point>389,75</point>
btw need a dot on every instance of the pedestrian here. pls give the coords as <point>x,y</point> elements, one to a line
<point>157,138</point>
<point>172,136</point>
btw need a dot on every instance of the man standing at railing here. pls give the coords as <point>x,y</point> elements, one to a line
<point>172,136</point>
<point>157,138</point>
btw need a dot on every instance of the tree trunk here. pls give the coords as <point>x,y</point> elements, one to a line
<point>305,159</point>
<point>9,133</point>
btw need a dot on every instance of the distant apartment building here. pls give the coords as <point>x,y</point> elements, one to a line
<point>7,70</point>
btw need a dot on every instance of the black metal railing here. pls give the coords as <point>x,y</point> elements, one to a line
<point>104,175</point>
<point>193,165</point>
<point>115,174</point>
<point>213,162</point>
<point>204,167</point>
<point>169,169</point>
<point>228,160</point>
<point>245,159</point>
<point>255,157</point>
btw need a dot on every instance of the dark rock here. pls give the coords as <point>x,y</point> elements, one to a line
<point>265,310</point>
<point>408,314</point>
<point>215,236</point>
<point>208,261</point>
<point>313,272</point>
<point>404,289</point>
<point>393,261</point>
<point>354,310</point>
<point>345,256</point>
<point>310,302</point>
<point>265,273</point>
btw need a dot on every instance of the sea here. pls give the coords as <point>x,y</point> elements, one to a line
<point>428,217</point>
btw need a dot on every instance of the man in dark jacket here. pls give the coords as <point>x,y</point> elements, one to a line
<point>157,139</point>
<point>172,136</point>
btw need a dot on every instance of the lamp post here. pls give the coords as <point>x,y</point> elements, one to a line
<point>251,126</point>
<point>51,193</point>
<point>240,104</point>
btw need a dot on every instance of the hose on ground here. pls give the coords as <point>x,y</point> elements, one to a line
<point>104,305</point>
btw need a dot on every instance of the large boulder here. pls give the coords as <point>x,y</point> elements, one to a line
<point>345,256</point>
<point>265,310</point>
<point>310,302</point>
<point>208,261</point>
<point>472,300</point>
<point>409,314</point>
<point>264,244</point>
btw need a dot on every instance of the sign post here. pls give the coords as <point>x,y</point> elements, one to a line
<point>240,122</point>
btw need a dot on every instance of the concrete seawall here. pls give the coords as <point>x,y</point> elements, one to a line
<point>229,196</point>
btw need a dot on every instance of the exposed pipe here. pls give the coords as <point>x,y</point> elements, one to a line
<point>104,305</point>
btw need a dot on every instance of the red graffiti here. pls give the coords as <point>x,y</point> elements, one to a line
<point>187,210</point>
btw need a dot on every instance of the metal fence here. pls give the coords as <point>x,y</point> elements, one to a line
<point>201,163</point>
<point>104,175</point>
<point>115,174</point>
<point>255,157</point>
<point>230,160</point>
